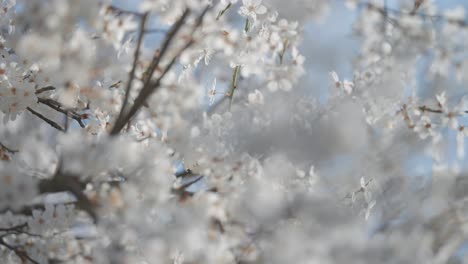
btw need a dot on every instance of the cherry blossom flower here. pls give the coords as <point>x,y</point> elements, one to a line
<point>346,85</point>
<point>86,178</point>
<point>212,92</point>
<point>252,8</point>
<point>15,95</point>
<point>442,101</point>
<point>286,29</point>
<point>277,82</point>
<point>425,127</point>
<point>256,97</point>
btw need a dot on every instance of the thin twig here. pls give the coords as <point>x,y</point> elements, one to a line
<point>48,121</point>
<point>62,182</point>
<point>14,228</point>
<point>66,124</point>
<point>44,89</point>
<point>385,10</point>
<point>233,85</point>
<point>20,253</point>
<point>58,107</point>
<point>165,46</point>
<point>146,93</point>
<point>122,118</point>
<point>285,47</point>
<point>221,13</point>
<point>120,11</point>
<point>149,87</point>
<point>436,111</point>
<point>135,61</point>
<point>427,109</point>
<point>236,71</point>
<point>247,25</point>
<point>10,150</point>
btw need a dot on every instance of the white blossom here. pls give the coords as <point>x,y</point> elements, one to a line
<point>252,8</point>
<point>256,98</point>
<point>218,143</point>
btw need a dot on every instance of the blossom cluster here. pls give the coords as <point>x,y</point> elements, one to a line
<point>187,131</point>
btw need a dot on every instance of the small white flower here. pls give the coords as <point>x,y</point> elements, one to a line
<point>256,98</point>
<point>272,16</point>
<point>335,79</point>
<point>281,79</point>
<point>369,209</point>
<point>286,29</point>
<point>280,84</point>
<point>363,183</point>
<point>252,8</point>
<point>15,96</point>
<point>298,59</point>
<point>450,119</point>
<point>346,85</point>
<point>442,101</point>
<point>425,127</point>
<point>300,173</point>
<point>212,92</point>
<point>313,176</point>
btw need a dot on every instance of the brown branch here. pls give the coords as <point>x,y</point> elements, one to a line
<point>149,89</point>
<point>135,62</point>
<point>19,252</point>
<point>437,111</point>
<point>44,89</point>
<point>427,109</point>
<point>361,189</point>
<point>59,108</point>
<point>48,121</point>
<point>417,4</point>
<point>122,119</point>
<point>120,11</point>
<point>10,150</point>
<point>15,228</point>
<point>386,10</point>
<point>62,182</point>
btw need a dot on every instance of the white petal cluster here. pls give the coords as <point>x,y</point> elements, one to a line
<point>16,94</point>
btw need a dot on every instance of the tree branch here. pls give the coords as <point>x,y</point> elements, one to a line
<point>61,182</point>
<point>48,121</point>
<point>151,87</point>
<point>10,150</point>
<point>20,253</point>
<point>385,10</point>
<point>15,228</point>
<point>44,89</point>
<point>148,86</point>
<point>135,62</point>
<point>58,107</point>
<point>120,11</point>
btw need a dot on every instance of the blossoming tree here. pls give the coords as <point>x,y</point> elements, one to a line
<point>172,131</point>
